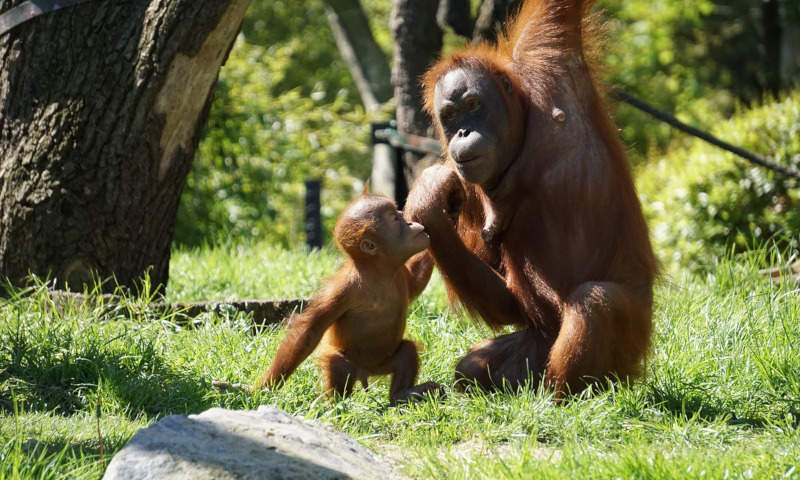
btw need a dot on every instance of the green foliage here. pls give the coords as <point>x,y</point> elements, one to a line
<point>701,201</point>
<point>696,58</point>
<point>283,113</point>
<point>378,12</point>
<point>685,56</point>
<point>286,111</point>
<point>650,53</point>
<point>300,51</point>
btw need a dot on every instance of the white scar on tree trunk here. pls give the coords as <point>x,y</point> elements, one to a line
<point>189,83</point>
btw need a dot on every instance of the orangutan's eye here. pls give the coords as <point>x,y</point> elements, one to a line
<point>448,113</point>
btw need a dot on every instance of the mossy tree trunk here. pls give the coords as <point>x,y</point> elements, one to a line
<point>101,109</point>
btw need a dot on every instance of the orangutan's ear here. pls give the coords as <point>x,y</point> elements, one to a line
<point>368,246</point>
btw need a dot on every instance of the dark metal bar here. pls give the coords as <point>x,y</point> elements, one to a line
<point>313,215</point>
<point>31,9</point>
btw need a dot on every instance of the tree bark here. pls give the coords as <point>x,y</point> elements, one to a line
<point>492,16</point>
<point>418,42</point>
<point>365,60</point>
<point>101,109</point>
<point>370,70</point>
<point>456,15</point>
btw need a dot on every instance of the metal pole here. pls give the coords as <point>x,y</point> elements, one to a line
<point>313,215</point>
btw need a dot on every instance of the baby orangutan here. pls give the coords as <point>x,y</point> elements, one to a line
<point>359,315</point>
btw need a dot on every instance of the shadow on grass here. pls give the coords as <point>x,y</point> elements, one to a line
<point>699,403</point>
<point>63,370</point>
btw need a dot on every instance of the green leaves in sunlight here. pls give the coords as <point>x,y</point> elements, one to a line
<point>701,201</point>
<point>285,111</point>
<point>686,57</point>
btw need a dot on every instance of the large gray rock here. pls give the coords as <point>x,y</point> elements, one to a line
<point>230,444</point>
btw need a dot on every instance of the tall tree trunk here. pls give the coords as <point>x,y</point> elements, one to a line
<point>456,15</point>
<point>417,43</point>
<point>101,109</point>
<point>790,54</point>
<point>365,59</point>
<point>370,70</point>
<point>773,37</point>
<point>492,15</point>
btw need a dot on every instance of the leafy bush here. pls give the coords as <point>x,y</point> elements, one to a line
<point>685,56</point>
<point>283,113</point>
<point>701,200</point>
<point>649,52</point>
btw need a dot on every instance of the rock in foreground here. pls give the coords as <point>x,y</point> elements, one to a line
<point>231,444</point>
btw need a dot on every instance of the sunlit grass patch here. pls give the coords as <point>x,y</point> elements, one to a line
<point>719,399</point>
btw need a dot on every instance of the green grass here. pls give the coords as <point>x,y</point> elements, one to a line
<point>721,398</point>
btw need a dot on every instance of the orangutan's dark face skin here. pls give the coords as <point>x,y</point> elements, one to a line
<point>470,109</point>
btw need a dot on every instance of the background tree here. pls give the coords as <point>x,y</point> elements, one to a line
<point>369,68</point>
<point>367,63</point>
<point>417,43</point>
<point>101,108</point>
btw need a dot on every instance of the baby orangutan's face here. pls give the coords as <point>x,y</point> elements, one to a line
<point>373,225</point>
<point>402,238</point>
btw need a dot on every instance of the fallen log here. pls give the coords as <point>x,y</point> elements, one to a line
<point>263,312</point>
<point>785,272</point>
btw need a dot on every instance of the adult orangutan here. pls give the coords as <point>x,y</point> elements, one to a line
<point>533,218</point>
